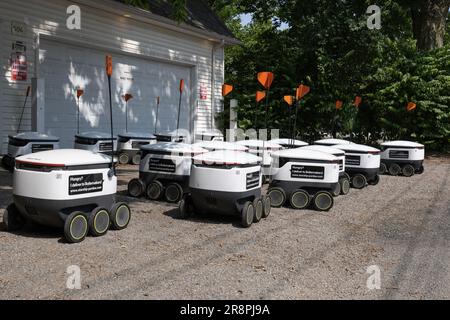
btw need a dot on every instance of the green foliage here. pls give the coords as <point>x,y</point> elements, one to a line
<point>138,3</point>
<point>329,47</point>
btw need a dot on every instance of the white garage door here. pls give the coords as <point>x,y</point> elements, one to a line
<point>66,68</point>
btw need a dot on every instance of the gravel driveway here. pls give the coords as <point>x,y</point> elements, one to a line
<point>402,225</point>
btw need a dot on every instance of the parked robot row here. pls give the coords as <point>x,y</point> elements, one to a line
<point>206,177</point>
<point>209,176</point>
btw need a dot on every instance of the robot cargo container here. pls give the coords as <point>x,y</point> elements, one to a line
<point>362,163</point>
<point>402,157</point>
<point>164,171</point>
<point>226,182</point>
<point>70,189</point>
<point>303,178</point>
<point>344,179</point>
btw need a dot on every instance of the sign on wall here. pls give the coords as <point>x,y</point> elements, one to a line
<point>18,28</point>
<point>203,92</point>
<point>18,62</point>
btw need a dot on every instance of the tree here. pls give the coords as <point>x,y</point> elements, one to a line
<point>429,19</point>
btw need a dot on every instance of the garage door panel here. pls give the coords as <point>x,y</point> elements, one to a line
<point>65,67</point>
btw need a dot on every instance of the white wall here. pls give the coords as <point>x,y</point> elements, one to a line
<point>107,30</point>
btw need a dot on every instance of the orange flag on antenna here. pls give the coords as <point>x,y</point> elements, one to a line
<point>339,104</point>
<point>358,101</point>
<point>302,91</point>
<point>127,97</point>
<point>181,85</point>
<point>109,65</point>
<point>411,106</point>
<point>260,95</point>
<point>266,79</point>
<point>289,100</point>
<point>226,89</point>
<point>79,93</point>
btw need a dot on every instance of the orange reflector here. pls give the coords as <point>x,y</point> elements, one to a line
<point>260,95</point>
<point>411,106</point>
<point>357,102</point>
<point>266,79</point>
<point>226,89</point>
<point>181,85</point>
<point>289,100</point>
<point>79,93</point>
<point>339,104</point>
<point>109,66</point>
<point>302,91</point>
<point>127,97</point>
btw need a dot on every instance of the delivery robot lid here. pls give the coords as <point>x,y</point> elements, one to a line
<point>357,148</point>
<point>296,143</point>
<point>334,151</point>
<point>259,144</point>
<point>173,133</point>
<point>137,135</point>
<point>65,158</point>
<point>35,137</point>
<point>228,158</point>
<point>304,154</point>
<point>175,148</point>
<point>210,133</point>
<point>95,135</point>
<point>332,142</point>
<point>220,145</point>
<point>402,144</point>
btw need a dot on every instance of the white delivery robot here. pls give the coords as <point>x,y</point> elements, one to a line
<point>362,163</point>
<point>402,157</point>
<point>229,183</point>
<point>304,178</point>
<point>164,171</point>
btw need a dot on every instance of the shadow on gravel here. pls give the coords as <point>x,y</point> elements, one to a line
<point>37,232</point>
<point>5,188</point>
<point>207,218</point>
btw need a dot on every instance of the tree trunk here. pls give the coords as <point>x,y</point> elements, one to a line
<point>429,23</point>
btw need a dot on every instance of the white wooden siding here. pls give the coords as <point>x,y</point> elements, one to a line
<point>115,33</point>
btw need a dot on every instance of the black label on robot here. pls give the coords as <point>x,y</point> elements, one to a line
<point>353,160</point>
<point>308,172</point>
<point>41,147</point>
<point>341,165</point>
<point>253,180</point>
<point>138,144</point>
<point>399,154</point>
<point>87,183</point>
<point>162,165</point>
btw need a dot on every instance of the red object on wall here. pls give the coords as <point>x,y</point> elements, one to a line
<point>203,92</point>
<point>19,66</point>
